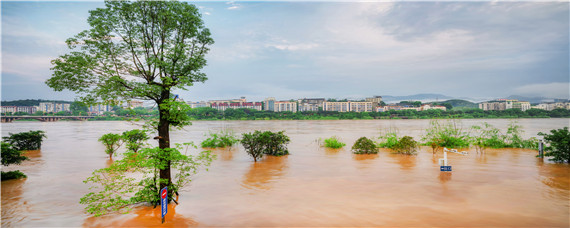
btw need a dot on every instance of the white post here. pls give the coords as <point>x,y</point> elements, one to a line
<point>445,157</point>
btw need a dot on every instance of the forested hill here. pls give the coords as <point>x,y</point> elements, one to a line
<point>461,103</point>
<point>29,102</point>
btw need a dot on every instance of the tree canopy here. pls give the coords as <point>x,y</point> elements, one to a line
<point>134,50</point>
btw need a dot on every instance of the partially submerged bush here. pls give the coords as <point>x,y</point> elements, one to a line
<point>333,142</point>
<point>388,140</point>
<point>112,142</point>
<point>450,135</point>
<point>10,156</point>
<point>485,136</point>
<point>558,142</point>
<point>258,143</point>
<point>224,138</point>
<point>31,140</point>
<point>364,146</point>
<point>275,143</point>
<point>134,139</point>
<point>406,145</point>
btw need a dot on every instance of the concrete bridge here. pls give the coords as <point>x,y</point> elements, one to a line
<point>9,119</point>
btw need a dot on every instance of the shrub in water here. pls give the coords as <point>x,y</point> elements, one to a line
<point>222,139</point>
<point>258,143</point>
<point>31,140</point>
<point>406,145</point>
<point>558,144</point>
<point>388,140</point>
<point>275,143</point>
<point>333,142</point>
<point>450,135</point>
<point>364,146</point>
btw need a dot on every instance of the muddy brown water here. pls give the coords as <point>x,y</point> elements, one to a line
<point>313,186</point>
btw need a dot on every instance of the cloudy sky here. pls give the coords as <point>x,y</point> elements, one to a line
<point>330,49</point>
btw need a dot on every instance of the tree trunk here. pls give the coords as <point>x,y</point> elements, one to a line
<point>164,140</point>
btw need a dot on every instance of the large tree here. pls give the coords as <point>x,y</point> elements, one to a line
<point>137,50</point>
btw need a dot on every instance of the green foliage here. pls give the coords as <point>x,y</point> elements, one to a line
<point>31,140</point>
<point>450,135</point>
<point>224,138</point>
<point>364,146</point>
<point>78,108</point>
<point>275,143</point>
<point>485,135</point>
<point>406,145</point>
<point>112,142</point>
<point>558,142</point>
<point>388,139</point>
<point>11,155</point>
<point>138,174</point>
<point>514,139</point>
<point>258,143</point>
<point>253,144</point>
<point>12,175</point>
<point>134,139</point>
<point>333,142</point>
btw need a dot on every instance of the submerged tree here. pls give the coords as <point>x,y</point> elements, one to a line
<point>12,156</point>
<point>138,50</point>
<point>112,143</point>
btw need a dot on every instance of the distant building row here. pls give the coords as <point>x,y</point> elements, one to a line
<point>45,107</point>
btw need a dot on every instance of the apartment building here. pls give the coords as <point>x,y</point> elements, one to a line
<point>269,104</point>
<point>504,104</point>
<point>348,106</point>
<point>285,106</point>
<point>311,104</point>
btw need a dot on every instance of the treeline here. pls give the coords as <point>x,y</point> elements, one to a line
<point>30,102</point>
<point>251,114</point>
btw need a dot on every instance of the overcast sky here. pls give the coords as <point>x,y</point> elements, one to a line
<point>330,49</point>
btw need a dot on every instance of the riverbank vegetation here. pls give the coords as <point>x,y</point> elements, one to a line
<point>224,138</point>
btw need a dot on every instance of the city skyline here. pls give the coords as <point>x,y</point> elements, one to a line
<point>330,49</point>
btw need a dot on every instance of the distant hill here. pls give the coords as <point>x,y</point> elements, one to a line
<point>30,102</point>
<point>457,103</point>
<point>424,97</point>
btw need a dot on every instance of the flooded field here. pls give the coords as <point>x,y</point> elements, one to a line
<point>313,186</point>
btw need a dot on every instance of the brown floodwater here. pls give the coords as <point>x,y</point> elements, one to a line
<point>312,186</point>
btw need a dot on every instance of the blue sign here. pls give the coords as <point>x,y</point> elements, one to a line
<point>445,168</point>
<point>164,201</point>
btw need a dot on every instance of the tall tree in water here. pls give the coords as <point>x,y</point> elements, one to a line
<point>138,50</point>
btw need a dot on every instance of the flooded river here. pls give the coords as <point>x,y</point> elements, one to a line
<point>313,186</point>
